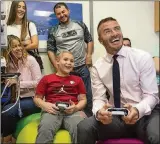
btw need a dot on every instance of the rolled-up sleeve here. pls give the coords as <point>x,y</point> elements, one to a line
<point>98,90</point>
<point>148,85</point>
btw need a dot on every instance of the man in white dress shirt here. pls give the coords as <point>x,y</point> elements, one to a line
<point>138,92</point>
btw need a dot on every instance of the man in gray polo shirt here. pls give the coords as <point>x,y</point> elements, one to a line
<point>72,36</point>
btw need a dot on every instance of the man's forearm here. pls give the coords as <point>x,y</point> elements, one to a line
<point>90,48</point>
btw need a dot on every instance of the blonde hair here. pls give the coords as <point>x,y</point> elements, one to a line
<point>7,51</point>
<point>12,18</point>
<point>61,54</point>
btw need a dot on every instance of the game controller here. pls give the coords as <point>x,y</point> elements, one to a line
<point>118,111</point>
<point>62,105</point>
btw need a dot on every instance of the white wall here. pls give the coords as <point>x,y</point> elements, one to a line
<point>136,19</point>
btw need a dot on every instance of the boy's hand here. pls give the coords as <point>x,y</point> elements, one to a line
<point>50,108</point>
<point>71,109</point>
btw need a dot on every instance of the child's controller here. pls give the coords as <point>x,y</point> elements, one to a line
<point>118,111</point>
<point>62,105</point>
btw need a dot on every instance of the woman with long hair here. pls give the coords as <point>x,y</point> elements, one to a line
<point>20,26</point>
<point>18,61</point>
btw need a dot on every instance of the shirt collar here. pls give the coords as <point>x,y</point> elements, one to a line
<point>122,52</point>
<point>66,25</point>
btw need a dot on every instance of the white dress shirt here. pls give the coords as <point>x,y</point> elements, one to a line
<point>137,80</point>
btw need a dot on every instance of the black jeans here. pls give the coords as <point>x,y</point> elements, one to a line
<point>146,129</point>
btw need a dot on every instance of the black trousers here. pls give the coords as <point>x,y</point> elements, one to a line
<point>146,129</point>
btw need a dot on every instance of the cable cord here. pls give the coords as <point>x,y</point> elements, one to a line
<point>18,97</point>
<point>5,89</point>
<point>16,66</point>
<point>18,94</point>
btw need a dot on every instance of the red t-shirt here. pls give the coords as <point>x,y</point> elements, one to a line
<point>56,88</point>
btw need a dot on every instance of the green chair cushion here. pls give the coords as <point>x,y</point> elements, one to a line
<point>24,121</point>
<point>29,132</point>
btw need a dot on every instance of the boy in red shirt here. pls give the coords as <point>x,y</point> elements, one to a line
<point>60,87</point>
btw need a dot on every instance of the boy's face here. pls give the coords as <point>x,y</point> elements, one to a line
<point>65,63</point>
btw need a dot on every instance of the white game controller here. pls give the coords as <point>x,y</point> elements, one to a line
<point>118,111</point>
<point>62,105</point>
